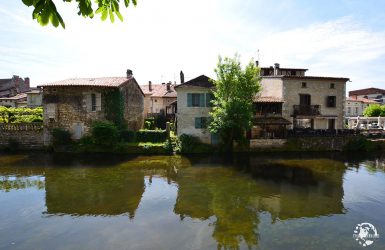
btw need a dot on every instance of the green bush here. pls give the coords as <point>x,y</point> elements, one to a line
<point>20,115</point>
<point>160,122</point>
<point>168,146</point>
<point>187,143</point>
<point>104,133</point>
<point>151,135</point>
<point>61,137</point>
<point>149,124</point>
<point>127,136</point>
<point>360,144</point>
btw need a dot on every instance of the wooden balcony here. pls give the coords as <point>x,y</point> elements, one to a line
<point>308,110</point>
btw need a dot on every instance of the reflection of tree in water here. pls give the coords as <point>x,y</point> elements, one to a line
<point>285,188</point>
<point>223,193</point>
<point>8,183</point>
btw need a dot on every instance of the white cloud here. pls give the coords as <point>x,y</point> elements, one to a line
<point>159,38</point>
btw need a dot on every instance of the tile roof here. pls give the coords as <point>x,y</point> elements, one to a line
<point>159,90</point>
<point>16,97</point>
<point>271,99</point>
<point>363,100</point>
<point>97,82</point>
<point>367,91</point>
<point>200,81</point>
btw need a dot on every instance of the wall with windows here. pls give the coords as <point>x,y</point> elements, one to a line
<point>193,112</point>
<point>328,94</point>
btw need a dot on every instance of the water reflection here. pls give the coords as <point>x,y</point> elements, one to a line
<point>229,193</point>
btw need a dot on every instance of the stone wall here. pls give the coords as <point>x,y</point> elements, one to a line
<point>27,136</point>
<point>133,105</point>
<point>267,143</point>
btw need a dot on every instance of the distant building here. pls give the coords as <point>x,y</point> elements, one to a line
<point>374,94</point>
<point>158,99</point>
<point>34,98</point>
<point>17,101</point>
<point>194,105</point>
<point>315,102</point>
<point>74,104</point>
<point>13,86</point>
<point>356,106</point>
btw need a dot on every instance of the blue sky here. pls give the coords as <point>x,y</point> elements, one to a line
<point>159,38</point>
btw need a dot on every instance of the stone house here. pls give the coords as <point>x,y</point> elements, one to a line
<point>13,86</point>
<point>74,104</point>
<point>308,101</point>
<point>374,94</point>
<point>158,99</point>
<point>194,105</point>
<point>356,106</point>
<point>17,101</point>
<point>34,98</point>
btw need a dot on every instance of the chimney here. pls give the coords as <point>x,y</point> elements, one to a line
<point>129,73</point>
<point>257,63</point>
<point>181,77</point>
<point>149,86</point>
<point>168,86</point>
<point>276,68</point>
<point>26,83</point>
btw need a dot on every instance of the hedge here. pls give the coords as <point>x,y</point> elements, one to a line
<point>151,135</point>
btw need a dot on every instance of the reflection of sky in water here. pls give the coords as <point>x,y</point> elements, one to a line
<point>189,203</point>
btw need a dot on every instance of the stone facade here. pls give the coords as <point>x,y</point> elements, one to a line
<point>75,108</point>
<point>34,98</point>
<point>318,112</point>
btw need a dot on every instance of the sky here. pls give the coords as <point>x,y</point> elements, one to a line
<point>158,39</point>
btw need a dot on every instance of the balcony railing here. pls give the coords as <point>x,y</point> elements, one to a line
<point>310,110</point>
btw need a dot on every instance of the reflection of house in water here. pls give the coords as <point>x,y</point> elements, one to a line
<point>93,191</point>
<point>233,200</point>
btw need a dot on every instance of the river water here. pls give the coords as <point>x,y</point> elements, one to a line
<point>260,201</point>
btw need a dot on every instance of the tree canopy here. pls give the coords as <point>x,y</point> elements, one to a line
<point>374,110</point>
<point>234,92</point>
<point>45,11</point>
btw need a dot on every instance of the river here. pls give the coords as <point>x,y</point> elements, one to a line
<point>258,201</point>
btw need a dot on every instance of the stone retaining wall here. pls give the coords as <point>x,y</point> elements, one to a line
<point>25,135</point>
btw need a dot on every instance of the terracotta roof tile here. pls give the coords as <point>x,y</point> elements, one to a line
<point>308,77</point>
<point>367,91</point>
<point>272,99</point>
<point>363,100</point>
<point>98,82</point>
<point>16,97</point>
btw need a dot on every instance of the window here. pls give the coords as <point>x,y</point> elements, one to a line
<point>304,85</point>
<point>356,110</point>
<point>304,99</point>
<point>331,102</point>
<point>209,98</point>
<point>332,85</point>
<point>195,100</point>
<point>349,110</point>
<point>93,102</point>
<point>201,122</point>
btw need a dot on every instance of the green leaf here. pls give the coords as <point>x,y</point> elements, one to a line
<point>28,2</point>
<point>119,15</point>
<point>112,18</point>
<point>54,20</point>
<point>99,10</point>
<point>104,14</point>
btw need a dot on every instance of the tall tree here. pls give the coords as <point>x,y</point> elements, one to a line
<point>235,89</point>
<point>374,110</point>
<point>45,11</point>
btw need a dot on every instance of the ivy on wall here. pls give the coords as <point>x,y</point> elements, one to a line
<point>114,107</point>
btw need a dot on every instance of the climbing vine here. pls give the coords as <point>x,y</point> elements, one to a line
<point>114,107</point>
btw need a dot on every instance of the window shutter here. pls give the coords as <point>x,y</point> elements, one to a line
<point>189,100</point>
<point>209,97</point>
<point>88,101</point>
<point>197,122</point>
<point>201,100</point>
<point>98,101</point>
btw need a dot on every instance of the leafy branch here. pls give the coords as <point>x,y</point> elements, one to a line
<point>45,11</point>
